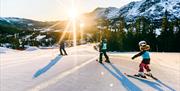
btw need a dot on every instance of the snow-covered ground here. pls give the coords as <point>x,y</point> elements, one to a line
<point>45,70</point>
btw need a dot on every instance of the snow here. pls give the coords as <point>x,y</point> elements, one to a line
<point>45,70</point>
<point>7,20</point>
<point>27,36</point>
<point>134,11</point>
<point>114,12</point>
<point>39,37</point>
<point>32,49</point>
<point>5,50</point>
<point>131,10</point>
<point>158,31</point>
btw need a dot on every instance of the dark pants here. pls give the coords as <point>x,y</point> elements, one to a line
<point>142,66</point>
<point>63,49</point>
<point>101,54</point>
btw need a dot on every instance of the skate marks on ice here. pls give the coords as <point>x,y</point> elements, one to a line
<point>130,86</point>
<point>47,67</point>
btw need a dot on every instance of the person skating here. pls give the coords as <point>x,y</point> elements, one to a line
<point>62,48</point>
<point>144,52</point>
<point>102,50</point>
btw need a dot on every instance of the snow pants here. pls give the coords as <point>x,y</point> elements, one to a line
<point>143,66</point>
<point>63,49</point>
<point>101,54</point>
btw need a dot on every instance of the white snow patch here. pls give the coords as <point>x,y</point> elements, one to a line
<point>134,10</point>
<point>158,31</point>
<point>5,50</point>
<point>39,37</point>
<point>32,49</point>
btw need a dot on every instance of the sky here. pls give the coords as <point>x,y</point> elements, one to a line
<point>49,10</point>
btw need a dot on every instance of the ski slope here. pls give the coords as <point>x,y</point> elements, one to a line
<point>44,70</point>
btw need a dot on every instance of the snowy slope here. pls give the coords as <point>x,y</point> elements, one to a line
<point>109,13</point>
<point>45,70</point>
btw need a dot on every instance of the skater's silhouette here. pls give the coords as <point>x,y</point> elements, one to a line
<point>62,48</point>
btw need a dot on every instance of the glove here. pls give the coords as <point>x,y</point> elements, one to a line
<point>132,58</point>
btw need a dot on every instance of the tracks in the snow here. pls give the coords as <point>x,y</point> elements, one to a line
<point>54,80</point>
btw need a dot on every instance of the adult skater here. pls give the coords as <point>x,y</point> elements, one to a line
<point>102,50</point>
<point>144,52</point>
<point>62,48</point>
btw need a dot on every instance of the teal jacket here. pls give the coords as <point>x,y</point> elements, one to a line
<point>145,55</point>
<point>103,46</point>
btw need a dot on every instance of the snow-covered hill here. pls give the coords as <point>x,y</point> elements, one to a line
<point>153,9</point>
<point>45,70</point>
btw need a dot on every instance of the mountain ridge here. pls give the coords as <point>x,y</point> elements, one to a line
<point>153,9</point>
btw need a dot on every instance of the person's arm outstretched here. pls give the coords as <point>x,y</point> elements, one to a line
<point>137,55</point>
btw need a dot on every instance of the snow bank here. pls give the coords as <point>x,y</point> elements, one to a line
<point>32,49</point>
<point>5,50</point>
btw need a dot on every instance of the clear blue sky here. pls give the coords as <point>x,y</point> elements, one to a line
<point>46,10</point>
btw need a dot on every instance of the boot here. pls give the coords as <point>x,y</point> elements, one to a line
<point>141,74</point>
<point>107,61</point>
<point>149,73</point>
<point>100,62</point>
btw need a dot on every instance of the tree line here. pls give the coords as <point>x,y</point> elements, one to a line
<point>162,35</point>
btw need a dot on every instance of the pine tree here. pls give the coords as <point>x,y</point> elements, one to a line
<point>177,35</point>
<point>165,39</point>
<point>152,39</point>
<point>129,42</point>
<point>121,34</point>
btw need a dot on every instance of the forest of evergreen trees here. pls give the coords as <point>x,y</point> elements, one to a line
<point>125,37</point>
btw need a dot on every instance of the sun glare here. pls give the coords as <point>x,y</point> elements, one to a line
<point>72,13</point>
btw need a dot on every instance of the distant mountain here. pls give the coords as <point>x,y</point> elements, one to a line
<point>28,24</point>
<point>153,9</point>
<point>20,23</point>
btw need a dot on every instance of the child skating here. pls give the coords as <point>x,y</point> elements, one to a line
<point>144,52</point>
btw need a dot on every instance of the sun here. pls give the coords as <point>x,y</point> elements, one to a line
<point>73,14</point>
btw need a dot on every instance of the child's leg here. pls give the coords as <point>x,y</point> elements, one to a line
<point>106,56</point>
<point>64,51</point>
<point>61,51</point>
<point>141,67</point>
<point>141,70</point>
<point>100,56</point>
<point>147,68</point>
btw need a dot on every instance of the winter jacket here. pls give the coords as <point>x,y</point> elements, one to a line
<point>145,55</point>
<point>103,46</point>
<point>62,45</point>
